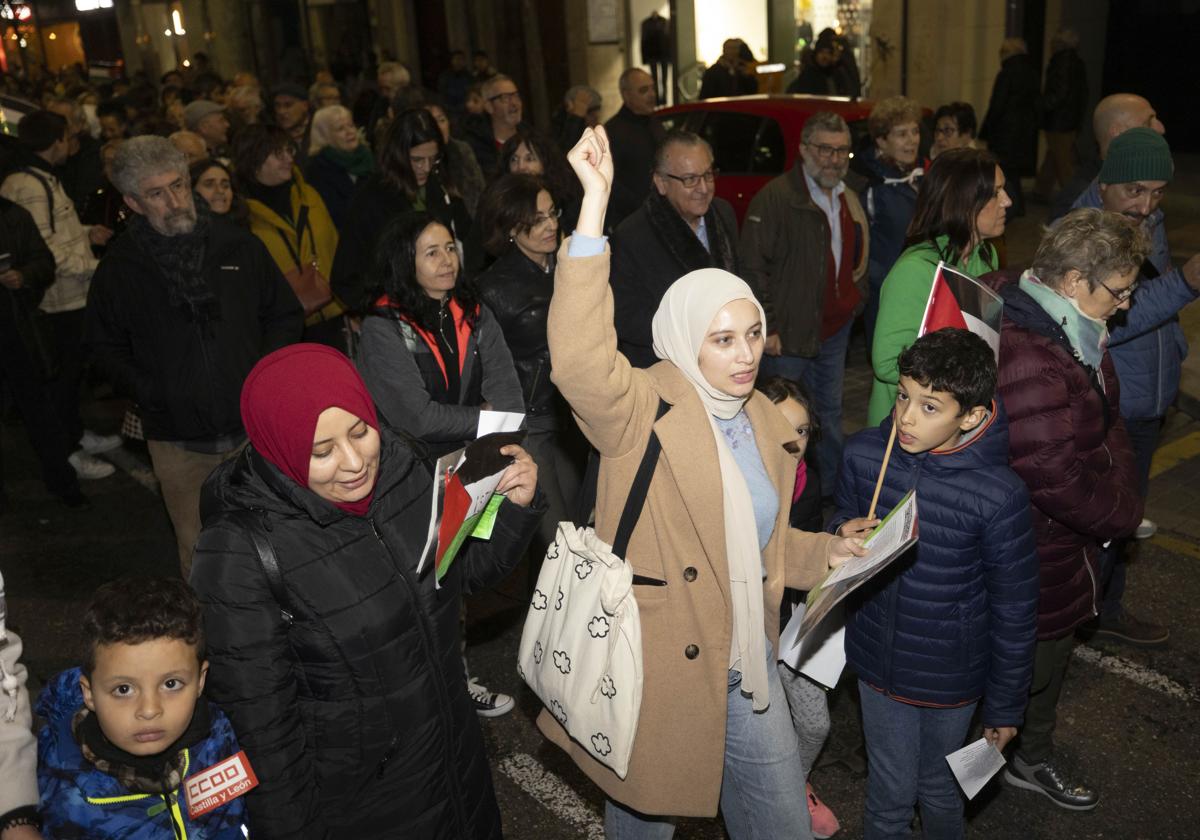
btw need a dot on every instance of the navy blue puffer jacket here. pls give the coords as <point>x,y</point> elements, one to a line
<point>956,618</point>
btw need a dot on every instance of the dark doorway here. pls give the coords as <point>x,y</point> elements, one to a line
<point>1149,52</point>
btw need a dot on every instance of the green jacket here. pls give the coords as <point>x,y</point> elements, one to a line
<point>901,307</point>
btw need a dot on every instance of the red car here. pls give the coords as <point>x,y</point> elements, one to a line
<point>755,138</point>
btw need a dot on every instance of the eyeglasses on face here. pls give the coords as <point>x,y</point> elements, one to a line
<point>829,152</point>
<point>511,96</point>
<point>690,181</point>
<point>1123,295</point>
<point>541,220</point>
<point>424,162</point>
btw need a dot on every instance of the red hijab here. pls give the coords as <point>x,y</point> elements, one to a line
<point>284,395</point>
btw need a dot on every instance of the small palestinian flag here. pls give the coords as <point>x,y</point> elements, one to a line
<point>956,300</point>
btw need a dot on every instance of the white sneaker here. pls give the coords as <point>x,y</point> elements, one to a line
<point>1146,530</point>
<point>89,467</point>
<point>94,444</point>
<point>488,703</point>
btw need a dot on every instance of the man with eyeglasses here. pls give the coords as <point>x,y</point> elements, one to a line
<point>500,120</point>
<point>680,227</point>
<point>1146,343</point>
<point>183,304</point>
<point>804,251</point>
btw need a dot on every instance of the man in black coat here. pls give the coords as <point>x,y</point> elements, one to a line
<point>1010,126</point>
<point>26,270</point>
<point>730,75</point>
<point>181,307</point>
<point>1062,105</point>
<point>502,118</point>
<point>682,226</point>
<point>633,135</point>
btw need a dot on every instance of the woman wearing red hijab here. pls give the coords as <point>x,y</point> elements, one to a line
<point>347,691</point>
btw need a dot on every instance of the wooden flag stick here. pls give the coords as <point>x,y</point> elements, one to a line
<point>887,454</point>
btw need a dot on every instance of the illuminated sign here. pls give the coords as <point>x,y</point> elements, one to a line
<point>92,5</point>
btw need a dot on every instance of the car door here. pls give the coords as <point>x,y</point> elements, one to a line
<point>748,151</point>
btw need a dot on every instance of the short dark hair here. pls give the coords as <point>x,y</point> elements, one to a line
<point>963,115</point>
<point>253,144</point>
<point>952,195</point>
<point>509,203</point>
<point>562,182</point>
<point>41,130</point>
<point>779,388</point>
<point>132,611</point>
<point>677,137</point>
<point>955,361</point>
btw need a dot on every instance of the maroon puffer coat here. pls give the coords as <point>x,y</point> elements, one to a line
<point>1068,443</point>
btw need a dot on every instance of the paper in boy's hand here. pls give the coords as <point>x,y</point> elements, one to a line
<point>890,540</point>
<point>974,765</point>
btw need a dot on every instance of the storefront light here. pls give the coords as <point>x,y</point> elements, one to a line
<point>92,5</point>
<point>177,22</point>
<point>53,36</point>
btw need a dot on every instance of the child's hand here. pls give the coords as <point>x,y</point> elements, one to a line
<point>859,527</point>
<point>844,548</point>
<point>999,736</point>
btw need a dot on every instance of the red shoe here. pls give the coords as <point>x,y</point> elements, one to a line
<point>824,823</point>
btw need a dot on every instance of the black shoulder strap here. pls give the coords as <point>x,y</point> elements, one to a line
<point>637,491</point>
<point>267,558</point>
<point>301,224</point>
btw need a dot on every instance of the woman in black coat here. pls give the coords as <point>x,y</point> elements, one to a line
<point>410,177</point>
<point>520,223</point>
<point>340,671</point>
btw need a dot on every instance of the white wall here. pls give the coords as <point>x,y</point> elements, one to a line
<point>717,20</point>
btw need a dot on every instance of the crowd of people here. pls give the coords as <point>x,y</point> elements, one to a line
<point>308,297</point>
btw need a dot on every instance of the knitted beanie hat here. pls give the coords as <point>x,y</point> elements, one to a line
<point>1139,154</point>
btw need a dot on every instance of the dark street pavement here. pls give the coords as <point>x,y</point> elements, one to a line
<point>1130,719</point>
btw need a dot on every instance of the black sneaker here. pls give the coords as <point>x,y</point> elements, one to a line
<point>1126,629</point>
<point>1051,782</point>
<point>488,703</point>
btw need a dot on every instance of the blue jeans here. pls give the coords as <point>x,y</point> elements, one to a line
<point>906,764</point>
<point>822,377</point>
<point>762,784</point>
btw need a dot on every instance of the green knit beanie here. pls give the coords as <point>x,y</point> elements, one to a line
<point>1139,154</point>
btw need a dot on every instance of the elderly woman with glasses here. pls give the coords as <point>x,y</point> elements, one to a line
<point>1068,443</point>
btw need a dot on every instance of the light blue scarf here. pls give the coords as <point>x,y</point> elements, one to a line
<point>1088,336</point>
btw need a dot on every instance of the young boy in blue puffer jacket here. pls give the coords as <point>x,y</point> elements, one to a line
<point>127,730</point>
<point>953,622</point>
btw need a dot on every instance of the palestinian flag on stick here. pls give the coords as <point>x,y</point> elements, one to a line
<point>956,300</point>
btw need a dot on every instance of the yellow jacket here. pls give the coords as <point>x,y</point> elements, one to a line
<point>318,241</point>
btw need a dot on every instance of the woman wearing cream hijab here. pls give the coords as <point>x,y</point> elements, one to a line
<point>712,551</point>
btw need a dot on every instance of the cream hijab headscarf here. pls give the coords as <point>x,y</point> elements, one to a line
<point>679,327</point>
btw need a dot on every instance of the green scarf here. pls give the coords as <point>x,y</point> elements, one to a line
<point>1088,336</point>
<point>358,163</point>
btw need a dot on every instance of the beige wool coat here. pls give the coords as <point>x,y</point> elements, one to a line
<point>687,624</point>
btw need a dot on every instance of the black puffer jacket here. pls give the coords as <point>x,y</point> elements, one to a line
<point>356,718</point>
<point>517,292</point>
<point>20,239</point>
